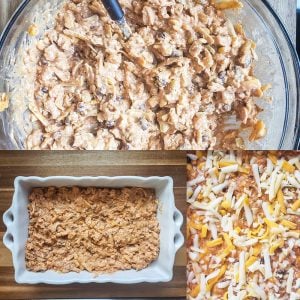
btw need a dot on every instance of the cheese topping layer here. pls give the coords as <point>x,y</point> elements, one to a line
<point>243,225</point>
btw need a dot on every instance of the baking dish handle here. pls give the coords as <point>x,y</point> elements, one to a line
<point>178,237</point>
<point>8,220</point>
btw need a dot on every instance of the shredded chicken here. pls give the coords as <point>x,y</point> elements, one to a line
<point>184,69</point>
<point>100,230</point>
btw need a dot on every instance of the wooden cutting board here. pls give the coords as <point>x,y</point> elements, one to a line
<point>286,9</point>
<point>32,163</point>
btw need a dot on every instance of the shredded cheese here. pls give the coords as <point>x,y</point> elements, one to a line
<point>290,279</point>
<point>249,233</point>
<point>214,243</point>
<point>255,171</point>
<point>267,264</point>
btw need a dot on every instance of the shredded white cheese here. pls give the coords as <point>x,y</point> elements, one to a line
<point>255,171</point>
<point>271,189</point>
<point>248,214</point>
<point>192,156</point>
<point>198,179</point>
<point>195,194</point>
<point>213,230</point>
<point>230,169</point>
<point>242,270</point>
<point>218,188</point>
<point>289,282</point>
<point>267,264</point>
<point>293,182</point>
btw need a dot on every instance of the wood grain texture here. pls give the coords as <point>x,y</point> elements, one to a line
<point>286,9</point>
<point>139,163</point>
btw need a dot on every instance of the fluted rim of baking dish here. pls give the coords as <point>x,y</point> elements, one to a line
<point>164,272</point>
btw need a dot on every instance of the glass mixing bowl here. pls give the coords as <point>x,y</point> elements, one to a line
<point>278,65</point>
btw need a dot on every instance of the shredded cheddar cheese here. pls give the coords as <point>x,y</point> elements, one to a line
<point>214,243</point>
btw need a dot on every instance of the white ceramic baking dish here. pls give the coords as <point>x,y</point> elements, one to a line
<point>16,219</point>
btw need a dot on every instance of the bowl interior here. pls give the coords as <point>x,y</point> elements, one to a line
<point>277,65</point>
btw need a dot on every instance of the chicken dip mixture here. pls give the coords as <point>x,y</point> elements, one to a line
<point>243,226</point>
<point>169,86</point>
<point>100,230</point>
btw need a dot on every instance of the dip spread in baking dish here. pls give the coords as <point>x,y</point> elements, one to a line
<point>185,68</point>
<point>100,230</point>
<point>243,225</point>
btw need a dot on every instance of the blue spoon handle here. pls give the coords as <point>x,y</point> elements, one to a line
<point>114,9</point>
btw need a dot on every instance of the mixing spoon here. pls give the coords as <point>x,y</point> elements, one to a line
<point>116,13</point>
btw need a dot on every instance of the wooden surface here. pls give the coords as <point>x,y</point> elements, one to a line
<point>285,8</point>
<point>160,163</point>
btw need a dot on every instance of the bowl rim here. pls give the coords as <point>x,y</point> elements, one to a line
<point>296,64</point>
<point>292,48</point>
